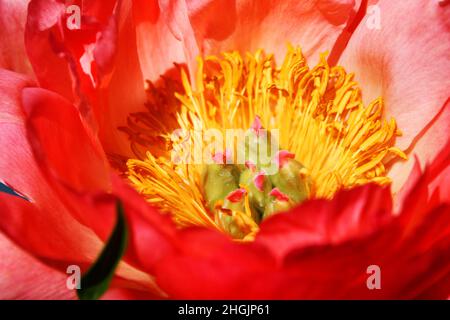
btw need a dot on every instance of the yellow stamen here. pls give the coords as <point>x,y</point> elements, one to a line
<point>319,114</point>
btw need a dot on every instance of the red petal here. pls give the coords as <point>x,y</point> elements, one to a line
<point>321,222</point>
<point>440,173</point>
<point>57,53</point>
<point>95,67</point>
<point>62,143</point>
<point>322,249</point>
<point>153,233</point>
<point>214,267</point>
<point>328,257</point>
<point>128,294</point>
<point>47,230</point>
<point>125,92</point>
<point>76,168</point>
<point>51,70</point>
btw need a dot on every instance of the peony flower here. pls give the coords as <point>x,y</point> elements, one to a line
<point>87,116</point>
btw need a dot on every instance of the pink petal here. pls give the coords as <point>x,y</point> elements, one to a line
<point>24,277</point>
<point>12,25</point>
<point>406,62</point>
<point>249,25</point>
<point>166,24</point>
<point>44,225</point>
<point>427,146</point>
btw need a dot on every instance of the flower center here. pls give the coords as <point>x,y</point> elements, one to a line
<point>327,140</point>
